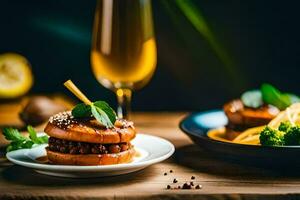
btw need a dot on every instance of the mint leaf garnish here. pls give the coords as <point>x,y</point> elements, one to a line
<point>107,109</point>
<point>100,110</point>
<point>273,96</point>
<point>18,141</point>
<point>13,134</point>
<point>36,139</point>
<point>268,94</point>
<point>81,110</point>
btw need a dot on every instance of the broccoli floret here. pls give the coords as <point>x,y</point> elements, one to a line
<point>285,126</point>
<point>292,136</point>
<point>271,137</point>
<point>287,134</point>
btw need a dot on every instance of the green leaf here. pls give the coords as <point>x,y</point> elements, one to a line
<point>81,110</point>
<point>252,99</point>
<point>105,117</point>
<point>13,134</point>
<point>33,136</point>
<point>27,144</point>
<point>43,139</point>
<point>101,116</point>
<point>102,112</point>
<point>273,96</point>
<point>107,109</point>
<point>10,148</point>
<point>15,145</point>
<point>20,142</point>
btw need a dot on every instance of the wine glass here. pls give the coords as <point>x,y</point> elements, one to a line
<point>123,54</point>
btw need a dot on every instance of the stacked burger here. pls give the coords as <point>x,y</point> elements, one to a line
<point>85,141</point>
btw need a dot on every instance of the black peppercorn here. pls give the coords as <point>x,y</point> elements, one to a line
<point>186,186</point>
<point>198,186</point>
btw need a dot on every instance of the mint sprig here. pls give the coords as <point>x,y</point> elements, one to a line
<point>268,94</point>
<point>18,141</point>
<point>100,110</point>
<point>273,96</point>
<point>34,138</point>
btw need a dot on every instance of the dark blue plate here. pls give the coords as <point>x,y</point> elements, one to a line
<point>196,126</point>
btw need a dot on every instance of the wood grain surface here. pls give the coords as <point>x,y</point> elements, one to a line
<point>219,179</point>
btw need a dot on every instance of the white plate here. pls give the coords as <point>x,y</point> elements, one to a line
<point>151,150</point>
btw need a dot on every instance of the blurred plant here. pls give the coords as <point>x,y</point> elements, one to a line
<point>196,18</point>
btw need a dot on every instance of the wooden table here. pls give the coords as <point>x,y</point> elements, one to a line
<point>219,179</point>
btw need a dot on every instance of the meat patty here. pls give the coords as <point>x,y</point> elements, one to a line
<point>73,147</point>
<point>241,116</point>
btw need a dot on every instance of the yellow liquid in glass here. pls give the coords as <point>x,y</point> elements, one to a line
<point>124,49</point>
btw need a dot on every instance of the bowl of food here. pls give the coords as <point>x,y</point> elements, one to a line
<point>262,127</point>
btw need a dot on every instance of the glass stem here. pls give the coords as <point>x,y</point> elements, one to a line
<point>124,102</point>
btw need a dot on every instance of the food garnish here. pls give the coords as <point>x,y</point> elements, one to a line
<point>19,141</point>
<point>268,94</point>
<point>100,110</point>
<point>273,96</point>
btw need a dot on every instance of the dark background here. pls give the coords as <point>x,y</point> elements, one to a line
<point>261,38</point>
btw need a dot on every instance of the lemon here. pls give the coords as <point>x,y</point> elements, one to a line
<point>15,75</point>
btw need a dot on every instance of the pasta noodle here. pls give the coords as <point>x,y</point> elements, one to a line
<point>251,135</point>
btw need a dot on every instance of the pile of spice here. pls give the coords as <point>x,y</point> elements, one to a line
<point>186,185</point>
